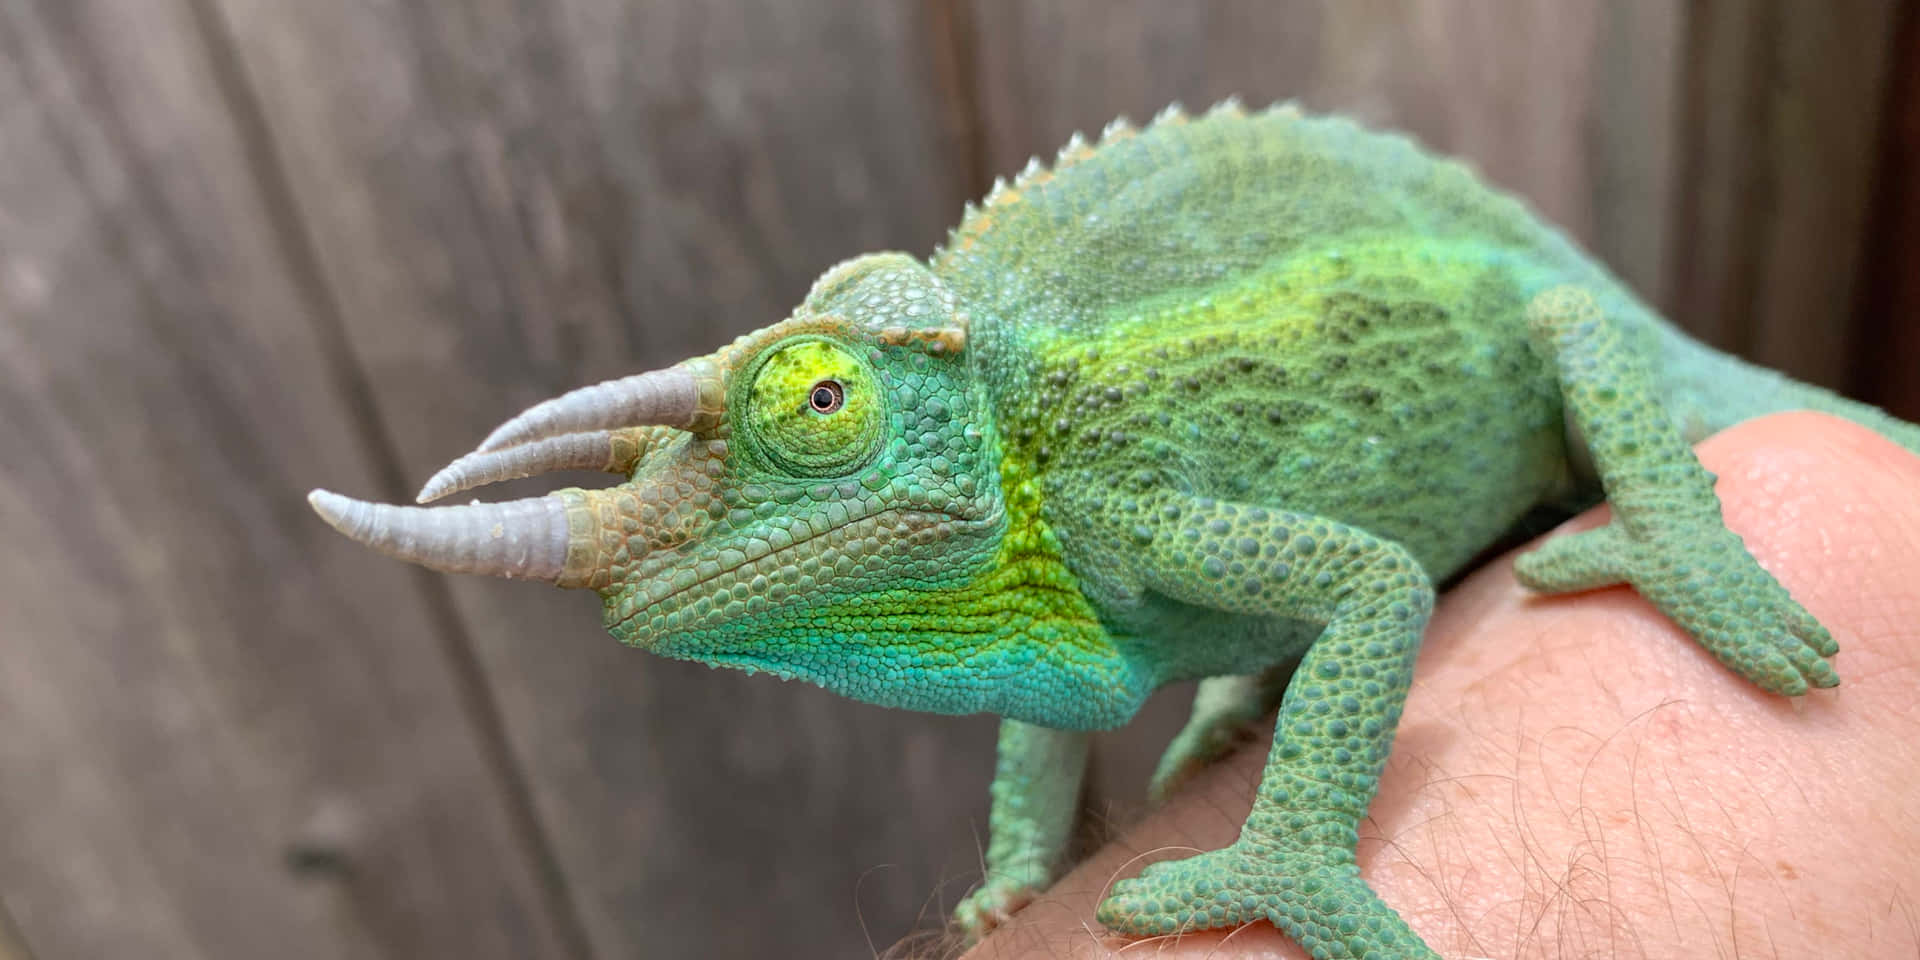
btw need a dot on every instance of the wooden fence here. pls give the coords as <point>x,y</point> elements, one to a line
<point>248,247</point>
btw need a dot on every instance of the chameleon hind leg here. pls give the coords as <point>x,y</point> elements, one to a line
<point>1224,710</point>
<point>1666,537</point>
<point>1294,861</point>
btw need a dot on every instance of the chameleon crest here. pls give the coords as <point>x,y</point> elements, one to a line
<point>1201,400</point>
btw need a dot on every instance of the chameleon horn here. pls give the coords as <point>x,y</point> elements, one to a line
<point>520,539</point>
<point>669,398</point>
<point>614,451</point>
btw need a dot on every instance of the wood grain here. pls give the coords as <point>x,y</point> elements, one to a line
<point>213,746</point>
<point>1887,366</point>
<point>1782,106</point>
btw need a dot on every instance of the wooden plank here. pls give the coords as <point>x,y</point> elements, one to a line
<point>514,198</point>
<point>1887,364</point>
<point>1782,109</point>
<point>1567,103</point>
<point>212,746</point>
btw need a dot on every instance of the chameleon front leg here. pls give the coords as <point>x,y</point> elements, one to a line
<point>1666,537</point>
<point>1294,862</point>
<point>1036,796</point>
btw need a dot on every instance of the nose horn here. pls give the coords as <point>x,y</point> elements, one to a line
<point>612,451</point>
<point>519,539</point>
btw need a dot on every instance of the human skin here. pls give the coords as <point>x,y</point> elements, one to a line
<point>1574,778</point>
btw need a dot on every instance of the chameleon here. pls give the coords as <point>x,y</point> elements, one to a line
<point>1221,398</point>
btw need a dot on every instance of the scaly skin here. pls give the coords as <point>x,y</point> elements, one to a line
<point>1208,398</point>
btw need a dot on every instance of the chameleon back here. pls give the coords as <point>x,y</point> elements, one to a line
<point>1187,203</point>
<point>1288,309</point>
<point>1232,306</point>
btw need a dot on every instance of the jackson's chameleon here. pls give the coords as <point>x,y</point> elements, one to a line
<point>1199,401</point>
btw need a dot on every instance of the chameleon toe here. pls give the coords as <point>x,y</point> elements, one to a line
<point>1202,892</point>
<point>1320,902</point>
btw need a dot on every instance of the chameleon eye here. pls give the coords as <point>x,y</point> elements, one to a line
<point>827,396</point>
<point>814,409</point>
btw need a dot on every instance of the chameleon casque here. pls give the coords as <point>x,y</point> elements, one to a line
<point>1202,400</point>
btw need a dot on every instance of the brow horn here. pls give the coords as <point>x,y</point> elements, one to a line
<point>519,539</point>
<point>685,396</point>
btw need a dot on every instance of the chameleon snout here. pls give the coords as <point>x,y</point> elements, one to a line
<point>573,537</point>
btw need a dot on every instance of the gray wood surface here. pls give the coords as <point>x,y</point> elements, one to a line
<point>1783,105</point>
<point>252,246</point>
<point>226,734</point>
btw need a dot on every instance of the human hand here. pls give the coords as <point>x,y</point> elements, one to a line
<point>1573,776</point>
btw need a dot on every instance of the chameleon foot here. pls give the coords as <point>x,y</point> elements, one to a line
<point>1702,577</point>
<point>1036,790</point>
<point>1666,537</point>
<point>990,905</point>
<point>1323,905</point>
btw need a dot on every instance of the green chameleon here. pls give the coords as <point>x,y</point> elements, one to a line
<point>1212,399</point>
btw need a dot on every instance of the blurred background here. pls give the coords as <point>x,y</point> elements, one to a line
<point>249,247</point>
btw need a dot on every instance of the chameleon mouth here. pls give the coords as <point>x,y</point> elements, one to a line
<point>868,535</point>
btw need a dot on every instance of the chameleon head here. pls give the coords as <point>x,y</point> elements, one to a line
<point>784,497</point>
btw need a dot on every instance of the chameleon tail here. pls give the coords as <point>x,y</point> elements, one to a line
<point>1710,391</point>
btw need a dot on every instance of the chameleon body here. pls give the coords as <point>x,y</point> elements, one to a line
<point>1200,400</point>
